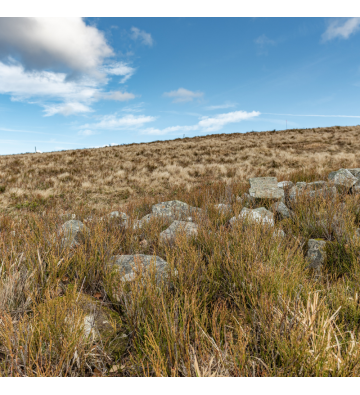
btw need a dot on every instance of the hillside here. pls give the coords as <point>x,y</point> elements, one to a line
<point>106,177</point>
<point>158,260</point>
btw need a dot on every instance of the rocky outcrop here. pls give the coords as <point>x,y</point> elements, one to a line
<point>73,233</point>
<point>258,215</point>
<point>343,178</point>
<point>316,253</point>
<point>265,188</point>
<point>174,209</point>
<point>281,209</point>
<point>189,228</point>
<point>129,267</point>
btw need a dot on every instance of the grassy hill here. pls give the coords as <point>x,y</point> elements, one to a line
<point>240,299</point>
<point>107,177</point>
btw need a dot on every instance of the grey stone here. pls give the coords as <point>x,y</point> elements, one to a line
<point>342,177</point>
<point>245,199</point>
<point>265,188</point>
<point>138,224</point>
<point>129,266</point>
<point>281,209</point>
<point>285,184</point>
<point>223,208</point>
<point>278,233</point>
<point>116,214</point>
<point>301,185</point>
<point>189,228</point>
<point>258,215</point>
<point>73,232</point>
<point>356,189</point>
<point>174,209</point>
<point>316,185</point>
<point>316,253</point>
<point>356,173</point>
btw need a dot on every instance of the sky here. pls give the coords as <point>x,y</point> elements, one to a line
<point>68,83</point>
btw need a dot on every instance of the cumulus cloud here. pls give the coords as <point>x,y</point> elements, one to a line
<point>145,38</point>
<point>183,95</point>
<point>343,28</point>
<point>113,122</point>
<point>76,95</point>
<point>207,124</point>
<point>56,43</point>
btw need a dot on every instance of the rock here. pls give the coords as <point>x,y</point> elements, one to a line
<point>245,199</point>
<point>301,185</point>
<point>116,214</point>
<point>258,215</point>
<point>356,189</point>
<point>144,243</point>
<point>223,208</point>
<point>281,209</point>
<point>169,234</point>
<point>73,233</point>
<point>316,253</point>
<point>285,184</point>
<point>342,177</point>
<point>174,209</point>
<point>316,185</point>
<point>138,224</point>
<point>356,173</point>
<point>265,188</point>
<point>278,233</point>
<point>130,266</point>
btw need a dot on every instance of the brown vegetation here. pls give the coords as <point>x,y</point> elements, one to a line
<point>108,176</point>
<point>243,303</point>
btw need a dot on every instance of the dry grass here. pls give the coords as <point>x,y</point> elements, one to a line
<point>243,302</point>
<point>110,176</point>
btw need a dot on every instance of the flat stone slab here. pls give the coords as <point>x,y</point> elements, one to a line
<point>265,188</point>
<point>285,184</point>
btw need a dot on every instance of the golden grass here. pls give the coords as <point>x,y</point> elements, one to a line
<point>110,176</point>
<point>243,302</point>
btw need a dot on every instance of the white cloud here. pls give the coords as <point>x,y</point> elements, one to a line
<point>207,124</point>
<point>65,109</point>
<point>113,122</point>
<point>137,34</point>
<point>221,106</point>
<point>342,28</point>
<point>183,95</point>
<point>86,132</point>
<point>117,95</point>
<point>76,95</point>
<point>120,68</point>
<point>56,43</point>
<point>213,124</point>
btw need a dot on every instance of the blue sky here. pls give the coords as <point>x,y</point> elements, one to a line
<point>70,83</point>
